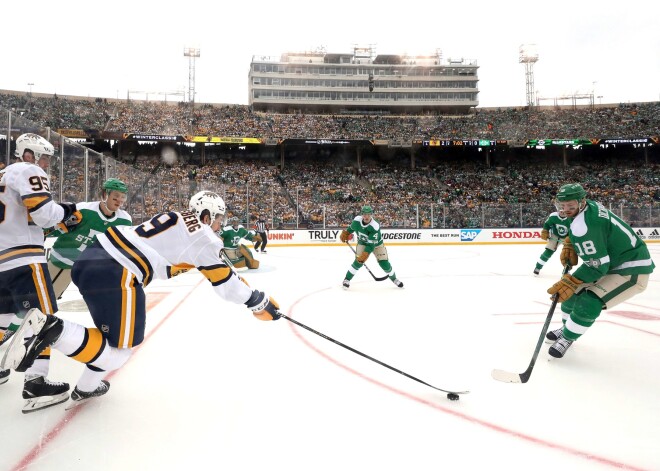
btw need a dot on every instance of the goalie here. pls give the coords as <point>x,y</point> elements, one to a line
<point>239,254</point>
<point>369,239</point>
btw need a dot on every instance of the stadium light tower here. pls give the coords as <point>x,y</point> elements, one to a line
<point>528,55</point>
<point>191,53</point>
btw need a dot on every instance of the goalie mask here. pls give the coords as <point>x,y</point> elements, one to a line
<point>34,143</point>
<point>207,202</point>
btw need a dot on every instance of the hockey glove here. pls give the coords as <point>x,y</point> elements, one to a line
<point>545,235</point>
<point>568,255</point>
<point>566,287</point>
<point>72,217</point>
<point>264,308</point>
<point>345,236</point>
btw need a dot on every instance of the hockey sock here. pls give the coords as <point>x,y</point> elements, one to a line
<point>353,269</point>
<point>109,359</point>
<point>545,256</point>
<point>387,267</point>
<point>41,365</point>
<point>90,379</point>
<point>587,308</point>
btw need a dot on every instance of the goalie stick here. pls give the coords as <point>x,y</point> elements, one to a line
<point>509,377</point>
<point>365,266</point>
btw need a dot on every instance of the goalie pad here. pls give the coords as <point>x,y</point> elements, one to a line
<point>249,260</point>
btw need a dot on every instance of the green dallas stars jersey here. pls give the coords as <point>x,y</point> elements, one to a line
<point>231,237</point>
<point>557,226</point>
<point>368,235</point>
<point>70,245</point>
<point>606,244</point>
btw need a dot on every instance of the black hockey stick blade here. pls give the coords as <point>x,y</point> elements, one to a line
<point>377,278</point>
<point>509,377</point>
<point>300,324</point>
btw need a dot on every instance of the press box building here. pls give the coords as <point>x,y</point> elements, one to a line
<point>363,82</point>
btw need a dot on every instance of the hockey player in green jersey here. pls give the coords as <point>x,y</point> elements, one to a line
<point>239,255</point>
<point>555,229</point>
<point>369,239</point>
<point>97,217</point>
<point>616,265</point>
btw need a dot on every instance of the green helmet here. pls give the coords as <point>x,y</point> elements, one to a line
<point>116,185</point>
<point>570,192</point>
<point>366,209</point>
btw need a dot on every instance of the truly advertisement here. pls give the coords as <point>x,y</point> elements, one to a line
<point>329,235</point>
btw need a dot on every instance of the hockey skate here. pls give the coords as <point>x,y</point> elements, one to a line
<point>537,271</point>
<point>558,349</point>
<point>4,376</point>
<point>46,330</point>
<point>79,397</point>
<point>555,335</point>
<point>346,283</point>
<point>41,393</point>
<point>398,283</point>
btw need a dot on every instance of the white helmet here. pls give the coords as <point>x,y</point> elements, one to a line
<point>207,200</point>
<point>37,144</point>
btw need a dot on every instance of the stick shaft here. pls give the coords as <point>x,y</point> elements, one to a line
<point>300,324</point>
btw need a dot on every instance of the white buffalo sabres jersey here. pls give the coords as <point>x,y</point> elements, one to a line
<point>169,242</point>
<point>26,206</point>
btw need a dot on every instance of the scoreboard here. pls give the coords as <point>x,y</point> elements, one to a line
<point>464,142</point>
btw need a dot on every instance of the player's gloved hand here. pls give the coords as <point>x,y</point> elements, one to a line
<point>565,287</point>
<point>545,234</point>
<point>363,257</point>
<point>568,255</point>
<point>345,236</point>
<point>256,238</point>
<point>263,307</point>
<point>72,217</point>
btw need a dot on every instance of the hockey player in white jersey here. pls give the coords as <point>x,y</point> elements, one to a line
<point>26,206</point>
<point>111,274</point>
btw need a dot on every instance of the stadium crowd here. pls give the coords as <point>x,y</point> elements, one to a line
<point>621,121</point>
<point>326,193</point>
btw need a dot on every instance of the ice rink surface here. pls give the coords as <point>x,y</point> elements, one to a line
<point>214,388</point>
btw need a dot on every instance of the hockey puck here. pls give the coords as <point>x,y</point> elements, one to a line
<point>453,397</point>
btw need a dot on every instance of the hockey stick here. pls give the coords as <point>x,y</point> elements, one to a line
<point>509,377</point>
<point>365,266</point>
<point>368,357</point>
<point>452,395</point>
